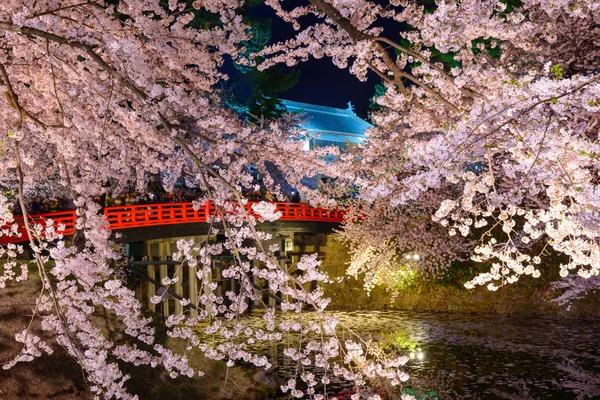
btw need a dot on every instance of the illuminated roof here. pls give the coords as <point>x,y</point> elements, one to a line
<point>334,125</point>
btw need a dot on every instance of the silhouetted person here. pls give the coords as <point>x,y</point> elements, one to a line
<point>66,203</point>
<point>294,196</point>
<point>36,206</point>
<point>53,206</point>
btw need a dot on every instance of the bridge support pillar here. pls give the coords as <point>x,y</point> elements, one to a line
<point>233,286</point>
<point>193,290</point>
<point>207,278</point>
<point>164,272</point>
<point>178,288</point>
<point>150,271</point>
<point>271,300</point>
<point>283,266</point>
<point>219,277</point>
<point>256,280</point>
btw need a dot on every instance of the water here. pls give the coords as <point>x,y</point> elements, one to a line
<point>482,356</point>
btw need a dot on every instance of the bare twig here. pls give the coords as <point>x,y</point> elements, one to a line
<point>54,10</point>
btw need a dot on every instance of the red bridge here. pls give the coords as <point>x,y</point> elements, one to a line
<point>145,215</point>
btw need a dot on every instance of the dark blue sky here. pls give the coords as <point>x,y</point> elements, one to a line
<point>324,84</point>
<point>320,81</point>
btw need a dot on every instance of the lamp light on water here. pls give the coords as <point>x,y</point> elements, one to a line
<point>419,355</point>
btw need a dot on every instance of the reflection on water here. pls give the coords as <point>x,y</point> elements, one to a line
<point>481,356</point>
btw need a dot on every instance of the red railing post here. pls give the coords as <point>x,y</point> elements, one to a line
<point>162,214</point>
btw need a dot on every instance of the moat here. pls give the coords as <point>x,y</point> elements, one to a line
<point>471,356</point>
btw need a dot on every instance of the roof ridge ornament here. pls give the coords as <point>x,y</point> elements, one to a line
<point>351,108</point>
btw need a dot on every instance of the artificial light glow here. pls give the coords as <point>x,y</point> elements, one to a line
<point>305,145</point>
<point>412,256</point>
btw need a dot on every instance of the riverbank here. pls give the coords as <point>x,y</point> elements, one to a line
<point>445,293</point>
<point>526,299</point>
<point>509,301</point>
<point>58,377</point>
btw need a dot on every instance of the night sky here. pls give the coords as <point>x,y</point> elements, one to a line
<point>320,81</point>
<point>324,84</point>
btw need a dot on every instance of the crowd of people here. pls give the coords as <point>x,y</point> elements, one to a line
<point>41,205</point>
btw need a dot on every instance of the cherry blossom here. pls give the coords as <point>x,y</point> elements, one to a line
<point>490,152</point>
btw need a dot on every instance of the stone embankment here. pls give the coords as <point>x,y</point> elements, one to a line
<point>526,298</point>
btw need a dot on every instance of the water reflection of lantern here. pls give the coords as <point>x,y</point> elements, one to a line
<point>419,355</point>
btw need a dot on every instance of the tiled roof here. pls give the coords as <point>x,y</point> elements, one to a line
<point>333,124</point>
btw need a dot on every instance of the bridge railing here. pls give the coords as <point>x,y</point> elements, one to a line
<point>143,215</point>
<point>304,212</point>
<point>123,217</point>
<point>66,218</point>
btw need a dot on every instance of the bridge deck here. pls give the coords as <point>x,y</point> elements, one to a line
<point>147,215</point>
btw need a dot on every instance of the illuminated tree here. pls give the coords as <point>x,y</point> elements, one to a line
<point>485,123</point>
<point>491,111</point>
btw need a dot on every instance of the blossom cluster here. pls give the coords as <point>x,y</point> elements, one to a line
<point>486,133</point>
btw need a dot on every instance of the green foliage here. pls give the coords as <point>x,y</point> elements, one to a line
<point>512,82</point>
<point>511,5</point>
<point>260,29</point>
<point>202,18</point>
<point>492,46</point>
<point>447,59</point>
<point>455,275</point>
<point>429,6</point>
<point>373,106</point>
<point>451,277</point>
<point>266,86</point>
<point>406,279</point>
<point>399,340</point>
<point>274,80</point>
<point>557,71</point>
<point>421,394</point>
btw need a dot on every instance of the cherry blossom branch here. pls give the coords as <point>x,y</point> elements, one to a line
<point>537,155</point>
<point>444,74</point>
<point>74,351</point>
<point>357,35</point>
<point>85,3</point>
<point>238,197</point>
<point>13,99</point>
<point>185,129</point>
<point>491,168</point>
<point>81,46</point>
<point>14,102</point>
<point>546,100</point>
<point>397,73</point>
